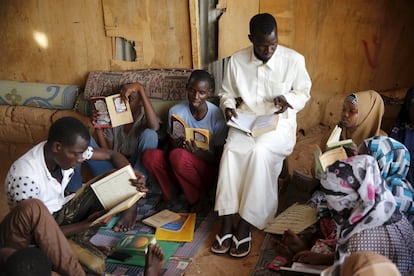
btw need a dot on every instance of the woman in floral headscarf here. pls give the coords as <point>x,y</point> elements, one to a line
<point>365,212</point>
<point>393,160</point>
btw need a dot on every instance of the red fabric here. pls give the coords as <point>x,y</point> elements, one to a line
<point>182,168</point>
<point>30,222</point>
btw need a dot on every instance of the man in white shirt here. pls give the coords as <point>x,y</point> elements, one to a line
<point>268,78</point>
<point>44,172</point>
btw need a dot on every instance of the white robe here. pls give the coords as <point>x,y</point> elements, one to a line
<point>250,167</point>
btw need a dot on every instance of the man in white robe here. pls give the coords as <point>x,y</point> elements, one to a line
<point>266,78</point>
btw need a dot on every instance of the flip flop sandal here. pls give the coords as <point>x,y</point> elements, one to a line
<point>237,243</point>
<point>220,241</point>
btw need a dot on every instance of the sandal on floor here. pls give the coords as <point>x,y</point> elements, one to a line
<point>237,243</point>
<point>220,242</point>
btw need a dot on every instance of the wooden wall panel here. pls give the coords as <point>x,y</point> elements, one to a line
<point>349,45</point>
<point>160,28</point>
<point>73,29</point>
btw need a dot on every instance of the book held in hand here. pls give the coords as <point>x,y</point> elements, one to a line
<point>323,160</point>
<point>334,139</point>
<point>111,111</point>
<point>200,136</point>
<point>115,192</point>
<point>254,125</point>
<point>135,244</point>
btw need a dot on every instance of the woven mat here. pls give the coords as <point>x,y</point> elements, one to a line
<point>178,261</point>
<point>266,255</point>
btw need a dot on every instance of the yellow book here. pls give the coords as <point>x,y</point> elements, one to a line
<point>111,111</point>
<point>185,235</point>
<point>179,128</point>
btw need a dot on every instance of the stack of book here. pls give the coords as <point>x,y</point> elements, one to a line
<point>171,226</point>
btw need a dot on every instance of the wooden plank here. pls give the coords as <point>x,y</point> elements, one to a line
<point>195,34</point>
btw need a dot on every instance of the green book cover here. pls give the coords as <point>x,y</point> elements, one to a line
<point>135,244</point>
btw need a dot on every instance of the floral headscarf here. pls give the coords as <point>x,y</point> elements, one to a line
<point>357,196</point>
<point>393,160</point>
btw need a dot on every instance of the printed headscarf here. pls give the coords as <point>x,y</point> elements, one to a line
<point>356,196</point>
<point>393,160</point>
<point>370,111</point>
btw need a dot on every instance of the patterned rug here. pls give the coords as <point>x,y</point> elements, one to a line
<point>179,254</point>
<point>266,255</point>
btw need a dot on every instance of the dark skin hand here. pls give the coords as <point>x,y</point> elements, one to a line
<point>309,257</point>
<point>71,229</point>
<point>281,103</point>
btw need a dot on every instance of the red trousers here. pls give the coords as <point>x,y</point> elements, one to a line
<point>31,223</point>
<point>182,168</point>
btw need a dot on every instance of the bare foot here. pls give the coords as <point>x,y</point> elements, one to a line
<point>154,260</point>
<point>127,221</point>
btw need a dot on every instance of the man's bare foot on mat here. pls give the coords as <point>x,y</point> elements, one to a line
<point>127,221</point>
<point>154,260</point>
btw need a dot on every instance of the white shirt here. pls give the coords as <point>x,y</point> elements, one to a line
<point>259,83</point>
<point>29,177</point>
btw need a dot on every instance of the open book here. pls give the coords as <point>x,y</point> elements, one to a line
<point>296,218</point>
<point>179,128</point>
<point>323,160</point>
<point>304,268</point>
<point>252,124</point>
<point>111,111</point>
<point>334,139</point>
<point>115,191</point>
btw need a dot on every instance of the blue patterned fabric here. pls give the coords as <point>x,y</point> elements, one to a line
<point>51,96</point>
<point>394,162</point>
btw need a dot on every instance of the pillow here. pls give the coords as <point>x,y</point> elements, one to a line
<point>83,106</point>
<point>162,84</point>
<point>51,96</point>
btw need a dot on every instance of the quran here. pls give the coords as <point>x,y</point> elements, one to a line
<point>254,125</point>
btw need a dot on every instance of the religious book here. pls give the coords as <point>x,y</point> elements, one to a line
<point>334,139</point>
<point>161,218</point>
<point>115,192</point>
<point>111,111</point>
<point>297,218</point>
<point>303,269</point>
<point>183,234</point>
<point>323,160</point>
<point>254,125</point>
<point>135,244</point>
<point>200,136</point>
<point>178,224</point>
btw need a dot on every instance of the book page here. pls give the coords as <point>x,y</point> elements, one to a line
<point>115,187</point>
<point>161,218</point>
<point>296,218</point>
<point>330,156</point>
<point>178,126</point>
<point>264,123</point>
<point>335,135</point>
<point>305,268</point>
<point>102,115</point>
<point>119,111</point>
<point>124,205</point>
<point>243,121</point>
<point>200,136</point>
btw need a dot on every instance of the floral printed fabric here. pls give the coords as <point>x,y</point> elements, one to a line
<point>357,196</point>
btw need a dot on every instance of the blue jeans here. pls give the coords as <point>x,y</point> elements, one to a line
<point>147,140</point>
